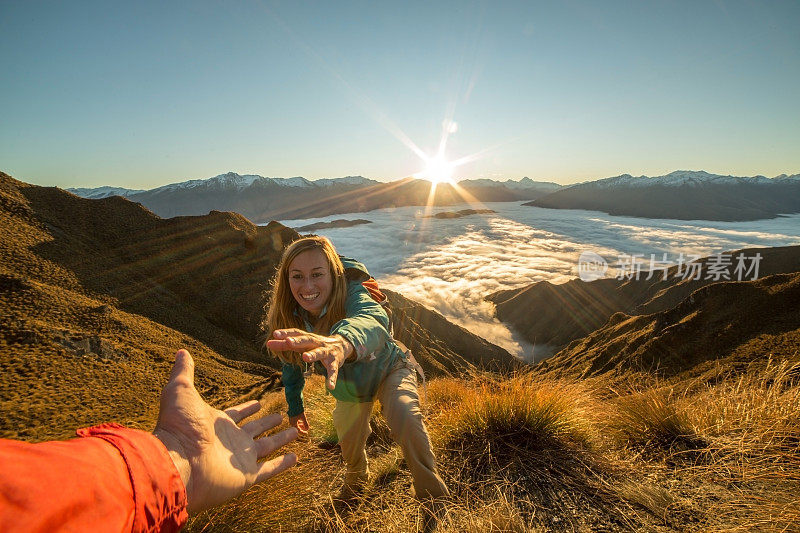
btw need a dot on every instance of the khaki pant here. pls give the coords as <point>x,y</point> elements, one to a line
<point>400,407</point>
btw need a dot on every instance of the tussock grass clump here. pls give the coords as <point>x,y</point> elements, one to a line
<point>654,420</point>
<point>441,393</point>
<point>498,422</point>
<point>760,410</point>
<point>534,440</point>
<point>754,423</point>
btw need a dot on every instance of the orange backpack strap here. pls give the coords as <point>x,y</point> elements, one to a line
<point>372,287</point>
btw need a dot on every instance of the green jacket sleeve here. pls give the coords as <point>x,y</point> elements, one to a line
<point>293,383</point>
<point>366,325</point>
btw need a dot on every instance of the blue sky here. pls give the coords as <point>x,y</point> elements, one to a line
<point>140,94</point>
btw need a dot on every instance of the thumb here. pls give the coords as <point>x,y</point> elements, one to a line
<point>183,369</point>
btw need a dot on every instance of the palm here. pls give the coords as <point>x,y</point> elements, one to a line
<point>330,351</point>
<point>221,457</point>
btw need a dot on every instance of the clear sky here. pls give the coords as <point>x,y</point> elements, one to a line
<point>139,94</point>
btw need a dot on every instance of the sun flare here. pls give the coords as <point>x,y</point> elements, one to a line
<point>438,170</point>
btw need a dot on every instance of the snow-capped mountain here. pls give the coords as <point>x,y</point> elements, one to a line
<point>257,197</point>
<point>239,182</point>
<point>681,178</point>
<point>103,192</point>
<point>347,180</point>
<point>683,194</point>
<point>524,184</point>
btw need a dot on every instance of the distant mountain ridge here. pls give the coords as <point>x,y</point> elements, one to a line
<point>263,199</point>
<point>691,178</point>
<point>232,180</point>
<point>103,192</point>
<point>684,195</point>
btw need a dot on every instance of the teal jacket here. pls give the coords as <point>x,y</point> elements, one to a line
<point>366,326</point>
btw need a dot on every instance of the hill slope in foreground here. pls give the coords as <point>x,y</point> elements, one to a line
<point>96,296</point>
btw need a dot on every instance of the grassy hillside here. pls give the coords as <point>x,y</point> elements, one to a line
<point>723,324</point>
<point>527,453</point>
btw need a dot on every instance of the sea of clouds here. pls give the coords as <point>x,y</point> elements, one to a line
<point>450,265</point>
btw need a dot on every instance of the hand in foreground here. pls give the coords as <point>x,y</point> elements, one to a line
<point>301,423</point>
<point>332,352</point>
<point>217,459</point>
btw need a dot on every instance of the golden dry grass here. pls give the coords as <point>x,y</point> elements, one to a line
<point>533,454</point>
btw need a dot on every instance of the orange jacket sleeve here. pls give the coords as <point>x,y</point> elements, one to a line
<point>110,479</point>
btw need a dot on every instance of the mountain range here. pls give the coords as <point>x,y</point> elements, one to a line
<point>94,292</point>
<point>263,199</point>
<point>683,195</point>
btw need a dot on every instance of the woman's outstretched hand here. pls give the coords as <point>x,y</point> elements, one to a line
<point>332,352</point>
<point>216,459</point>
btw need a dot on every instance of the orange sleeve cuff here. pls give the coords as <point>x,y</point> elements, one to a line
<point>159,496</point>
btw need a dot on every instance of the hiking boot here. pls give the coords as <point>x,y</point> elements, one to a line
<point>349,496</point>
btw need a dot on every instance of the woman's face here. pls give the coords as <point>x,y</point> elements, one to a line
<point>311,281</point>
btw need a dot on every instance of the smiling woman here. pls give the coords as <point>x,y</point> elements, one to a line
<point>329,319</point>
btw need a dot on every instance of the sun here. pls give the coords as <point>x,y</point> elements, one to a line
<point>438,170</point>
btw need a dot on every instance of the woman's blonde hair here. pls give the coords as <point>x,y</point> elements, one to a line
<point>281,313</point>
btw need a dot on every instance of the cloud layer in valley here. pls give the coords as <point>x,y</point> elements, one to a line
<point>450,265</point>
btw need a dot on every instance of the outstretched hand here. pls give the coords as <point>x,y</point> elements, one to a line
<point>217,460</point>
<point>332,352</point>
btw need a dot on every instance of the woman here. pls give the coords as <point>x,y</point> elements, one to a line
<point>320,313</point>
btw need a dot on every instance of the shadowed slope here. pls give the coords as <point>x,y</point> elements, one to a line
<point>736,201</point>
<point>738,322</point>
<point>202,275</point>
<point>558,314</point>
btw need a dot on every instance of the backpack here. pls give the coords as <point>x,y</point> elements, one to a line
<point>369,283</point>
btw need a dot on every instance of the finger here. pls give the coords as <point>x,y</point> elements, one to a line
<point>267,445</point>
<point>276,466</point>
<point>258,426</point>
<point>318,354</point>
<point>278,345</point>
<point>242,411</point>
<point>293,343</point>
<point>183,369</point>
<point>333,374</point>
<point>305,342</point>
<point>288,332</point>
